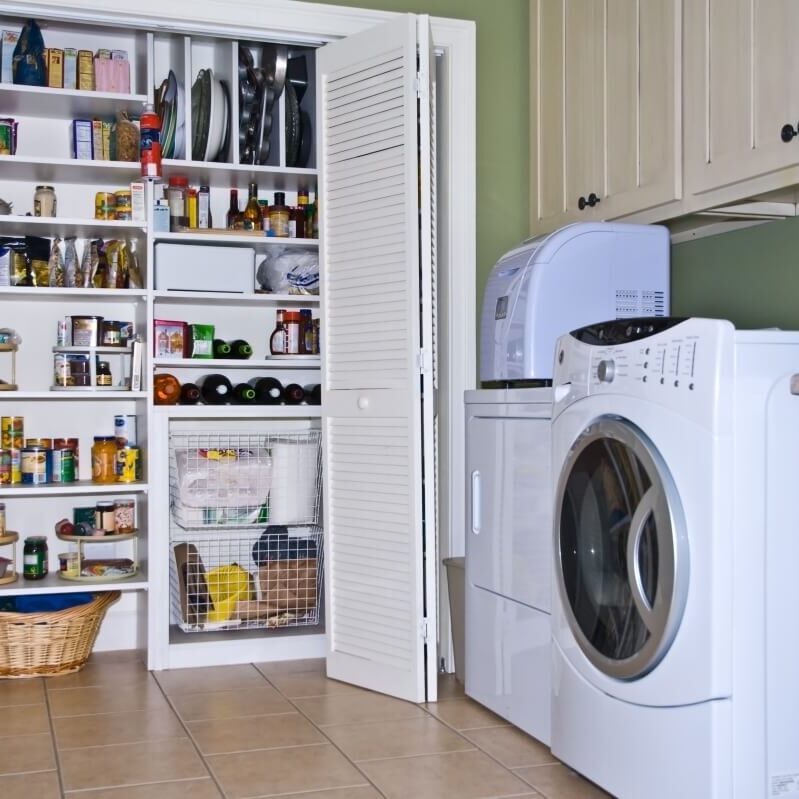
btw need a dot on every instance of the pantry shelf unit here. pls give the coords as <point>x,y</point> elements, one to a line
<point>52,294</point>
<point>213,412</point>
<point>67,170</point>
<point>80,228</point>
<point>55,393</point>
<point>226,174</point>
<point>228,237</point>
<point>53,584</point>
<point>216,299</point>
<point>289,362</point>
<point>80,542</point>
<point>85,487</point>
<point>42,101</point>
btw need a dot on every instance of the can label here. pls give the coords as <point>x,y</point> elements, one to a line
<point>5,467</point>
<point>127,464</point>
<point>37,465</point>
<point>63,465</point>
<point>12,429</point>
<point>34,564</point>
<point>125,430</point>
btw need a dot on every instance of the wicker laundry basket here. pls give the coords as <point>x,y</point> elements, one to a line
<point>53,642</point>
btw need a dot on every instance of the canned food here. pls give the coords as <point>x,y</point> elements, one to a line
<point>12,431</point>
<point>63,465</point>
<point>86,331</point>
<point>124,204</point>
<point>5,467</point>
<point>125,515</point>
<point>105,205</point>
<point>69,443</point>
<point>62,374</point>
<point>46,443</point>
<point>68,563</point>
<point>6,137</point>
<point>37,465</point>
<point>125,430</point>
<point>127,464</point>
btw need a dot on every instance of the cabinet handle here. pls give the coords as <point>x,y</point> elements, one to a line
<point>591,201</point>
<point>788,132</point>
<point>476,502</point>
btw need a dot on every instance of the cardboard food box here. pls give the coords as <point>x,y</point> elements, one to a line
<point>7,44</point>
<point>170,338</point>
<point>55,68</point>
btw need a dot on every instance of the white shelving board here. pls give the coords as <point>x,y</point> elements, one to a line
<point>53,584</point>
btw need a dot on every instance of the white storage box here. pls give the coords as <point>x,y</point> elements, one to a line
<point>197,267</point>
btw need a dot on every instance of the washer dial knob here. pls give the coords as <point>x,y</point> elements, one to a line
<point>606,371</point>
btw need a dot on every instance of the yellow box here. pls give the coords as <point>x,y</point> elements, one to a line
<point>55,68</point>
<point>86,70</point>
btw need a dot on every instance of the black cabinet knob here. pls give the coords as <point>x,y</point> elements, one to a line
<point>788,132</point>
<point>591,201</point>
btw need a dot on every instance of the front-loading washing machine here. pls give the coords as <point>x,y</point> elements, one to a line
<point>675,446</point>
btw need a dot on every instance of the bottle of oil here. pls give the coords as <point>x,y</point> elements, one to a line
<point>234,218</point>
<point>252,211</point>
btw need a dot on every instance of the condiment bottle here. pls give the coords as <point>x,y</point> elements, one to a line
<point>104,454</point>
<point>277,341</point>
<point>252,211</point>
<point>150,142</point>
<point>292,324</point>
<point>234,218</point>
<point>177,194</point>
<point>191,208</point>
<point>279,216</point>
<point>34,558</point>
<point>204,208</point>
<point>103,376</point>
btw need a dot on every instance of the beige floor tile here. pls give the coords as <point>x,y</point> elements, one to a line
<point>449,687</point>
<point>271,772</point>
<point>106,699</point>
<point>253,732</point>
<point>261,701</point>
<point>395,739</point>
<point>24,720</point>
<point>41,785</point>
<point>309,665</point>
<point>511,746</point>
<point>21,692</point>
<point>117,728</point>
<point>26,753</point>
<point>465,775</point>
<point>209,678</point>
<point>560,782</point>
<point>130,764</point>
<point>101,673</point>
<point>120,656</point>
<point>298,686</point>
<point>357,708</point>
<point>363,792</point>
<point>181,789</point>
<point>464,714</point>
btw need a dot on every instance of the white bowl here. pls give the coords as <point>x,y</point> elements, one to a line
<point>216,119</point>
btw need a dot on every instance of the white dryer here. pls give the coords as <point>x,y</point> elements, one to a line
<point>674,448</point>
<point>509,554</point>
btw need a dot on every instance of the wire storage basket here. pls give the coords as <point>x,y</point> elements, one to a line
<point>240,580</point>
<point>229,480</point>
<point>245,533</point>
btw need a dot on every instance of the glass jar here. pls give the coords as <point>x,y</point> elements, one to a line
<point>177,195</point>
<point>124,204</point>
<point>125,515</point>
<point>104,454</point>
<point>34,558</point>
<point>44,203</point>
<point>279,217</point>
<point>103,377</point>
<point>104,518</point>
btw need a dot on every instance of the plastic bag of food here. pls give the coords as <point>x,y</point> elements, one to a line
<point>27,63</point>
<point>38,253</point>
<point>124,139</point>
<point>135,280</point>
<point>71,263</point>
<point>55,265</point>
<point>292,270</point>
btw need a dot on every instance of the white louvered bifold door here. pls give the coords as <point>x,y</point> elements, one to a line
<point>377,359</point>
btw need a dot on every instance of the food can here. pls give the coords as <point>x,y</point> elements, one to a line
<point>6,137</point>
<point>46,443</point>
<point>16,466</point>
<point>86,330</point>
<point>123,204</point>
<point>62,374</point>
<point>69,443</point>
<point>105,205</point>
<point>2,518</point>
<point>127,464</point>
<point>5,467</point>
<point>125,515</point>
<point>125,430</point>
<point>63,465</point>
<point>37,465</point>
<point>13,428</point>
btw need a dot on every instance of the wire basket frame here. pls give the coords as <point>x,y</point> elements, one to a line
<point>244,580</point>
<point>236,480</point>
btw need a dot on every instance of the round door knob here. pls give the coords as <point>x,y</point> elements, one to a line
<point>788,132</point>
<point>363,403</point>
<point>606,371</point>
<point>592,200</point>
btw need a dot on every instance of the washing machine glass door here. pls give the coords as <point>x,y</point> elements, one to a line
<point>622,549</point>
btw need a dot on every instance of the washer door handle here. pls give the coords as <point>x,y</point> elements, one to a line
<point>644,510</point>
<point>476,505</point>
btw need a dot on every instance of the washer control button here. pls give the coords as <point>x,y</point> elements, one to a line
<point>606,371</point>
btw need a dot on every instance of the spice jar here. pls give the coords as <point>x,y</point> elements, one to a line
<point>124,515</point>
<point>177,195</point>
<point>44,203</point>
<point>34,558</point>
<point>104,518</point>
<point>104,453</point>
<point>103,377</point>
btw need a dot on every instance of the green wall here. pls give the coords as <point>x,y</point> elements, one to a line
<point>502,117</point>
<point>748,276</point>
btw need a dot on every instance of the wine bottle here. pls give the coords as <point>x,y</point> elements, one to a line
<point>269,390</point>
<point>244,394</point>
<point>240,349</point>
<point>166,389</point>
<point>221,349</point>
<point>252,211</point>
<point>313,393</point>
<point>215,389</point>
<point>189,394</point>
<point>293,394</point>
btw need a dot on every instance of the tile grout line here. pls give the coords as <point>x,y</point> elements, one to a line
<point>50,723</point>
<point>322,732</point>
<point>205,763</point>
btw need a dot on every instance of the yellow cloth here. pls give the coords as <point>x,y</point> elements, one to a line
<point>228,585</point>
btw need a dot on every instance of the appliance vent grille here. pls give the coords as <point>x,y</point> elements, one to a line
<point>635,302</point>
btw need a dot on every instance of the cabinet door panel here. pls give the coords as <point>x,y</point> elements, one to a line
<point>742,86</point>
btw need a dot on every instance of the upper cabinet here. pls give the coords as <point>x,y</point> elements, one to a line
<point>605,108</point>
<point>741,89</point>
